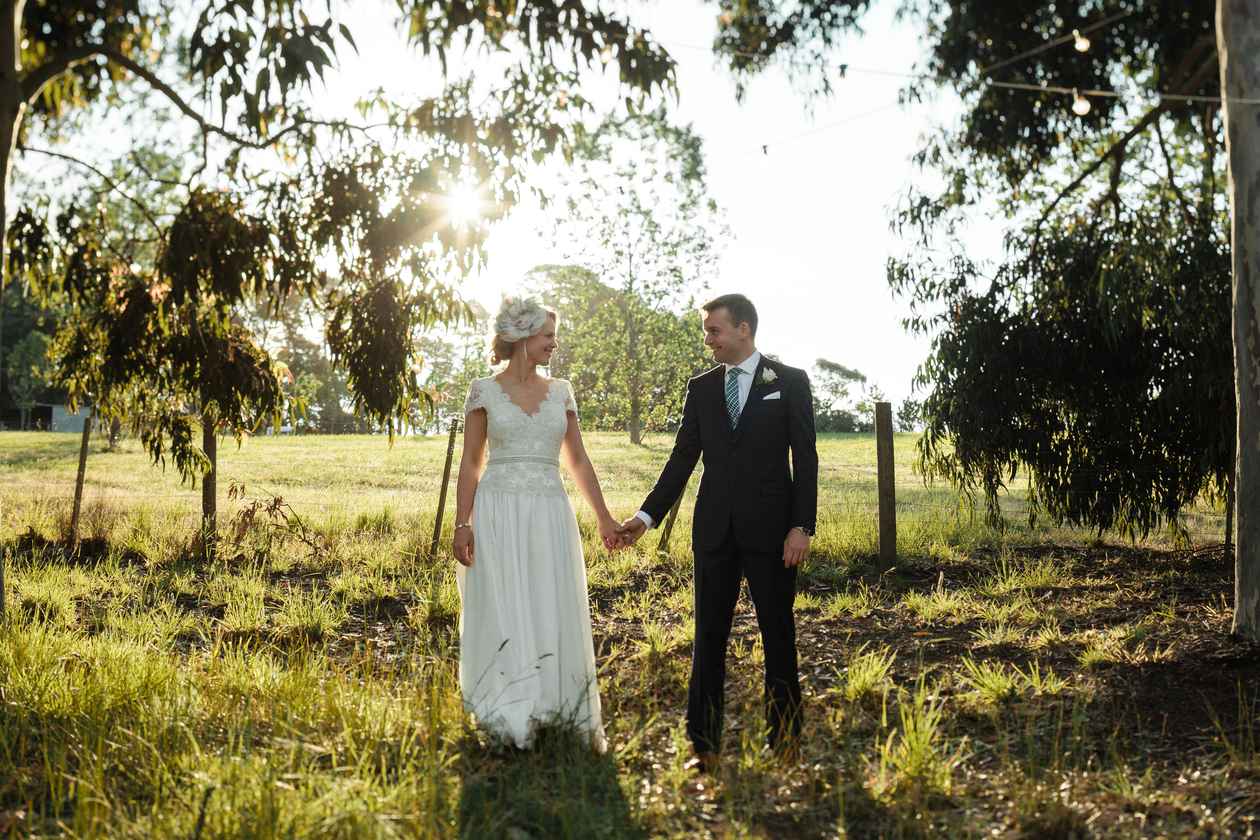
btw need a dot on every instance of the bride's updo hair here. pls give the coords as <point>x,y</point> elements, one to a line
<point>518,319</point>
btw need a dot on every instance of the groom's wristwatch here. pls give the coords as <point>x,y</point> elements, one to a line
<point>809,532</point>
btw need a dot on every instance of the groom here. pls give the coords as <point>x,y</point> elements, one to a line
<point>753,519</point>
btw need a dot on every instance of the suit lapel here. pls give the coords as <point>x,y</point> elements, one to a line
<point>718,402</point>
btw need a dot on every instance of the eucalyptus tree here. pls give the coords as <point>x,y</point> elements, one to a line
<point>592,354</point>
<point>638,217</point>
<point>452,362</point>
<point>833,409</point>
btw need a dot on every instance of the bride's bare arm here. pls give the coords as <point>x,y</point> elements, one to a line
<point>583,472</point>
<point>471,464</point>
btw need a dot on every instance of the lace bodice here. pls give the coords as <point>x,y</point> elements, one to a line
<point>524,448</point>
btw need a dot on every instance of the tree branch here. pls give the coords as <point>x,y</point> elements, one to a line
<point>178,101</point>
<point>1172,178</point>
<point>1195,68</point>
<point>113,185</point>
<point>1116,149</point>
<point>54,67</point>
<point>1113,187</point>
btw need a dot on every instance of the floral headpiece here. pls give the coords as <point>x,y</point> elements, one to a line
<point>519,317</point>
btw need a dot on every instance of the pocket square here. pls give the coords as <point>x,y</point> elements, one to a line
<point>773,396</point>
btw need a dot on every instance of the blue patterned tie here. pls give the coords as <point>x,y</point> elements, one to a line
<point>732,395</point>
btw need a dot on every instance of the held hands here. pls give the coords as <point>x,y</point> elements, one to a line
<point>615,536</point>
<point>618,536</point>
<point>795,548</point>
<point>630,530</point>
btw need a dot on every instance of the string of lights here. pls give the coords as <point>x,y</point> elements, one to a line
<point>1077,37</point>
<point>1081,105</point>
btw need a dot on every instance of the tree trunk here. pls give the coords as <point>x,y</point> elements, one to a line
<point>78,480</point>
<point>115,432</point>
<point>209,482</point>
<point>1238,39</point>
<point>12,106</point>
<point>635,378</point>
<point>1229,516</point>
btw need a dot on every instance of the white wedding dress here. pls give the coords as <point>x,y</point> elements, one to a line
<point>526,656</point>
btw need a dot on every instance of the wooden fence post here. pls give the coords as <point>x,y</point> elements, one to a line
<point>663,546</point>
<point>446,477</point>
<point>84,443</point>
<point>887,491</point>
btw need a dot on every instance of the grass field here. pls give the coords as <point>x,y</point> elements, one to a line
<point>1036,682</point>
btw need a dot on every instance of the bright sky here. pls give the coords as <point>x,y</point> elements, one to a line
<point>809,220</point>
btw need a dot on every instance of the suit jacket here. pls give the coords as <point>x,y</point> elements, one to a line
<point>747,484</point>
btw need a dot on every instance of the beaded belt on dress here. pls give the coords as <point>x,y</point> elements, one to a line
<point>522,459</point>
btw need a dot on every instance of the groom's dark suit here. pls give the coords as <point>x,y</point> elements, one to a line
<point>747,502</point>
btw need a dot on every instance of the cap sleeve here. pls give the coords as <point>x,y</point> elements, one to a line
<point>476,397</point>
<point>570,402</point>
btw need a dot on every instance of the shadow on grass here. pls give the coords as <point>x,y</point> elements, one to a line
<point>31,546</point>
<point>559,788</point>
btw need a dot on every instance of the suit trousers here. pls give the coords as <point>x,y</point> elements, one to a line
<point>718,574</point>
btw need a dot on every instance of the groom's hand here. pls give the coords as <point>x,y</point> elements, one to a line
<point>795,548</point>
<point>631,530</point>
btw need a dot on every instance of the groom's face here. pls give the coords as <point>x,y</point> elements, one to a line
<point>729,344</point>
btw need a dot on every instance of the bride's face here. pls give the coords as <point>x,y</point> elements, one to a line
<point>539,347</point>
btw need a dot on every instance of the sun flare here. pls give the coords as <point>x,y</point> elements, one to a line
<point>464,204</point>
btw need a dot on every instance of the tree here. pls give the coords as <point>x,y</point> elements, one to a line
<point>1101,367</point>
<point>251,69</point>
<point>639,220</point>
<point>452,363</point>
<point>1238,38</point>
<point>160,348</point>
<point>592,317</point>
<point>832,409</point>
<point>28,369</point>
<point>20,316</point>
<point>908,415</point>
<point>865,408</point>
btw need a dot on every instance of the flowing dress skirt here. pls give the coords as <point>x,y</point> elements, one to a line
<point>526,655</point>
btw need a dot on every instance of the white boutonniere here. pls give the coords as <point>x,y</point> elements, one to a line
<point>767,376</point>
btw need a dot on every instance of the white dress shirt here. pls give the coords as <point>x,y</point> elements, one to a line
<point>747,370</point>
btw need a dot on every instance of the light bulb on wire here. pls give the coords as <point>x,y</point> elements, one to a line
<point>1082,43</point>
<point>1080,105</point>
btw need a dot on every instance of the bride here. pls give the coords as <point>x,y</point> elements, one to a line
<point>526,656</point>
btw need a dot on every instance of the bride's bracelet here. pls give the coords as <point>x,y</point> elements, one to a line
<point>463,525</point>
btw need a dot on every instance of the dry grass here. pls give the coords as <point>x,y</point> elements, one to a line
<point>1025,684</point>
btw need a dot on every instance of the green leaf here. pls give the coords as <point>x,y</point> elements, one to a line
<point>345,33</point>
